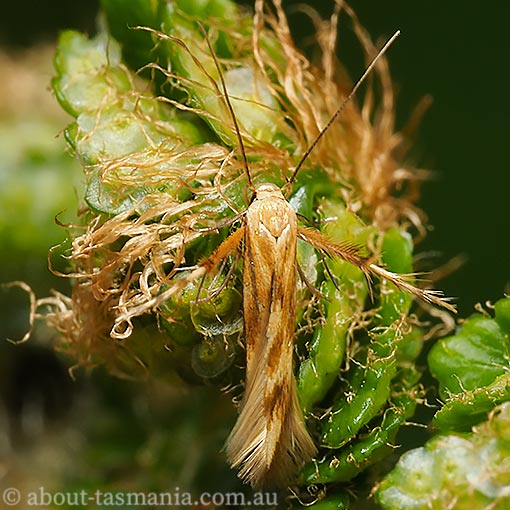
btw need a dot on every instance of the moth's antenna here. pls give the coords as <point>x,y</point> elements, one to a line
<point>229,106</point>
<point>382,51</point>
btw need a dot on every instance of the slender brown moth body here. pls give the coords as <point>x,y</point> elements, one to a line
<point>269,442</point>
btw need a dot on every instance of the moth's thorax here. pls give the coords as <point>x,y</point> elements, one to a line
<point>270,210</point>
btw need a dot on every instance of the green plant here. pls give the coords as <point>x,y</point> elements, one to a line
<point>164,178</point>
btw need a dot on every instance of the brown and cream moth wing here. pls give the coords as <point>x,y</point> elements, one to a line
<point>269,443</point>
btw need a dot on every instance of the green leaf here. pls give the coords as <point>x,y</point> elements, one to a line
<point>126,142</point>
<point>458,472</point>
<point>472,368</point>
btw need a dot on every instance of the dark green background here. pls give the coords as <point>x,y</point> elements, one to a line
<point>457,52</point>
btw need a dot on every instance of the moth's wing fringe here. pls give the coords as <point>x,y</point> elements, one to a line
<point>247,445</point>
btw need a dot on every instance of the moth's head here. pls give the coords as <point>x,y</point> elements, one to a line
<point>268,190</point>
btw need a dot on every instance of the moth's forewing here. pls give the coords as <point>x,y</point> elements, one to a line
<point>269,441</point>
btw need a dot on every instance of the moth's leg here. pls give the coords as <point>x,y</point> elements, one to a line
<point>366,275</point>
<point>205,266</point>
<point>328,270</point>
<point>123,327</point>
<point>315,292</point>
<point>225,248</point>
<point>216,291</point>
<point>351,253</point>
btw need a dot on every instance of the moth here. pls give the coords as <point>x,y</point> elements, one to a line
<point>270,442</point>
